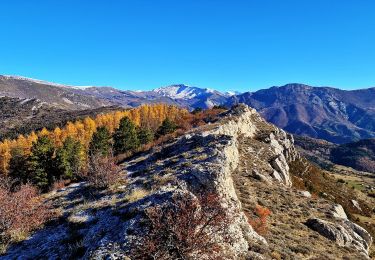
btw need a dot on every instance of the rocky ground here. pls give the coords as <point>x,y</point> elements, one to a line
<point>240,158</point>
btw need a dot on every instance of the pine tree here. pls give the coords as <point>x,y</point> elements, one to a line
<point>101,142</point>
<point>167,127</point>
<point>68,161</point>
<point>41,163</point>
<point>145,135</point>
<point>125,137</point>
<point>18,166</point>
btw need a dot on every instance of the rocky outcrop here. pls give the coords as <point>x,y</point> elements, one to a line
<point>343,232</point>
<point>245,122</point>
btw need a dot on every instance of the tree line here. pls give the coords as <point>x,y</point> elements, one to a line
<point>62,154</point>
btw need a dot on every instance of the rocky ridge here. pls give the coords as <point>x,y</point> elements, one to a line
<point>241,158</point>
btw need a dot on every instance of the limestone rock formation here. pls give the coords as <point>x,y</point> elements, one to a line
<point>344,233</point>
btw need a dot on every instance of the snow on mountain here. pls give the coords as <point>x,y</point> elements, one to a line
<point>38,81</point>
<point>232,93</point>
<point>185,92</point>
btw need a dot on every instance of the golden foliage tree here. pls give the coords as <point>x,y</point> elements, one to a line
<point>145,116</point>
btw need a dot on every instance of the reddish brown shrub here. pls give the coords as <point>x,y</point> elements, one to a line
<point>57,185</point>
<point>260,222</point>
<point>102,171</point>
<point>21,212</point>
<point>185,228</point>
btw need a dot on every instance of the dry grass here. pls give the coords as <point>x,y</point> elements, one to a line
<point>137,194</point>
<point>159,181</point>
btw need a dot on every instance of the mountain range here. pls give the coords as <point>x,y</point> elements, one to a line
<point>336,115</point>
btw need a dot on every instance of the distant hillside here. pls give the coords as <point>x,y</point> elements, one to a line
<point>61,96</point>
<point>335,115</point>
<point>126,98</point>
<point>358,155</point>
<point>21,116</point>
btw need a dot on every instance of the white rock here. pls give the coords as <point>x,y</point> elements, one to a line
<point>339,212</point>
<point>356,204</point>
<point>305,193</point>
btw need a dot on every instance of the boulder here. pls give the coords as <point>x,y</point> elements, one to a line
<point>344,233</point>
<point>338,212</point>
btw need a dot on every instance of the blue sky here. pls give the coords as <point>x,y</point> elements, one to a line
<point>227,45</point>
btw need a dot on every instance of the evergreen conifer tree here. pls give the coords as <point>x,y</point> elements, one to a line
<point>41,163</point>
<point>100,142</point>
<point>69,159</point>
<point>145,135</point>
<point>167,127</point>
<point>125,137</point>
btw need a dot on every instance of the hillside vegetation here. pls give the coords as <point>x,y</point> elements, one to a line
<point>228,185</point>
<point>81,150</point>
<point>22,116</point>
<point>358,155</point>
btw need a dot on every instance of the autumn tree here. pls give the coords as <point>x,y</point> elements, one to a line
<point>44,132</point>
<point>5,156</point>
<point>125,137</point>
<point>41,163</point>
<point>132,127</point>
<point>90,128</point>
<point>101,142</point>
<point>57,137</point>
<point>69,159</point>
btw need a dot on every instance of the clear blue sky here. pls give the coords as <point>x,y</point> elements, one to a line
<point>227,45</point>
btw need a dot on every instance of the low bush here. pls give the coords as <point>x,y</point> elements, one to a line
<point>259,223</point>
<point>102,172</point>
<point>185,229</point>
<point>21,212</point>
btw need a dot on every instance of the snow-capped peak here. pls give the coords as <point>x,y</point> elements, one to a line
<point>183,91</point>
<point>232,93</point>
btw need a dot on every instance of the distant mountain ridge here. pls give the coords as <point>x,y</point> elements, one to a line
<point>332,114</point>
<point>335,115</point>
<point>61,96</point>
